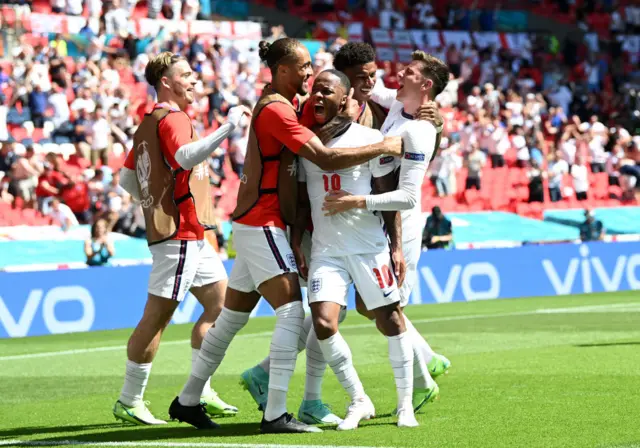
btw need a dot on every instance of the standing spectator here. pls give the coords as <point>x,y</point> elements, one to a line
<point>536,188</point>
<point>50,183</point>
<point>99,248</point>
<point>390,17</point>
<point>62,215</point>
<point>475,162</point>
<point>580,175</point>
<point>7,157</point>
<point>99,136</point>
<point>26,171</point>
<point>61,112</point>
<point>116,19</point>
<point>38,105</point>
<point>4,111</point>
<point>591,229</point>
<point>556,170</point>
<point>437,232</point>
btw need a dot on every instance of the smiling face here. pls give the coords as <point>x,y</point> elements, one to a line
<point>180,81</point>
<point>413,84</point>
<point>328,96</point>
<point>363,78</point>
<point>298,72</point>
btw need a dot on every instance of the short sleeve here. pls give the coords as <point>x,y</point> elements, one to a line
<point>128,162</point>
<point>283,125</point>
<point>175,130</point>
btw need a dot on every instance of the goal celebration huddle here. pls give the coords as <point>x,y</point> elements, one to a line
<point>330,197</point>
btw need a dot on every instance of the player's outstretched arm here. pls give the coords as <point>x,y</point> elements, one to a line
<point>191,154</point>
<point>331,159</point>
<point>382,95</point>
<point>303,218</point>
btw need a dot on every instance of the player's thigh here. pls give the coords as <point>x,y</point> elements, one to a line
<point>361,307</point>
<point>173,269</point>
<point>412,252</point>
<point>329,280</point>
<point>240,301</point>
<point>373,278</point>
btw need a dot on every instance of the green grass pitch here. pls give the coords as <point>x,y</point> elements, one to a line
<point>542,372</point>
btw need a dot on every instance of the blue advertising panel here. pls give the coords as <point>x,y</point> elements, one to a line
<point>50,302</point>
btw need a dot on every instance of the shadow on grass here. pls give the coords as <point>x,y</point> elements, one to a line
<point>607,344</point>
<point>33,430</point>
<point>121,433</point>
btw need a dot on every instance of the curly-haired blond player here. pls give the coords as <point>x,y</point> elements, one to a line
<point>166,172</point>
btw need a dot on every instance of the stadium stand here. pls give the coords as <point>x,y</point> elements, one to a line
<point>513,101</point>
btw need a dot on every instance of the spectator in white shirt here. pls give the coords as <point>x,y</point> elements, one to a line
<point>99,137</point>
<point>116,19</point>
<point>556,171</point>
<point>58,101</point>
<point>390,18</point>
<point>62,215</point>
<point>580,176</point>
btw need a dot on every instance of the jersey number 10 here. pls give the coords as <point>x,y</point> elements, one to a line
<point>385,275</point>
<point>335,182</point>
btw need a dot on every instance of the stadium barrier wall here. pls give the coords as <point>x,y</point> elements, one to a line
<point>103,298</point>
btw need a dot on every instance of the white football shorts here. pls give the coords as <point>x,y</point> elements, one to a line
<point>180,265</point>
<point>372,275</point>
<point>262,254</point>
<point>411,251</point>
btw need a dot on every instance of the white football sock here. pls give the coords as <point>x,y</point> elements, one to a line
<point>302,343</point>
<point>401,357</point>
<point>283,354</point>
<point>316,365</point>
<point>212,351</point>
<point>337,354</point>
<point>135,382</point>
<point>423,345</point>
<point>195,352</point>
<point>421,376</point>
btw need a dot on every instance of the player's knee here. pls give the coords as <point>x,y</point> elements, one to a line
<point>389,320</point>
<point>324,327</point>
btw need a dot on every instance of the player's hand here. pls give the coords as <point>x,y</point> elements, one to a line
<point>338,201</point>
<point>236,113</point>
<point>301,261</point>
<point>429,112</point>
<point>351,107</point>
<point>393,146</point>
<point>399,266</point>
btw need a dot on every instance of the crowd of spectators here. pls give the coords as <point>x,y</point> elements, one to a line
<point>558,115</point>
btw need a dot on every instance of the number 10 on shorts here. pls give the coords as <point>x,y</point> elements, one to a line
<point>385,276</point>
<point>335,182</point>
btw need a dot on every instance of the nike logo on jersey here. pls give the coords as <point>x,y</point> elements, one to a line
<point>414,156</point>
<point>388,294</point>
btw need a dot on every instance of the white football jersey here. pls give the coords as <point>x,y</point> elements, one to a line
<point>357,231</point>
<point>419,139</point>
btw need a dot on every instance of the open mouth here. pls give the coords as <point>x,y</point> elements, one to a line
<point>366,91</point>
<point>319,112</point>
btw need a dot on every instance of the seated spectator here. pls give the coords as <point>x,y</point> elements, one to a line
<point>99,248</point>
<point>437,232</point>
<point>7,157</point>
<point>580,175</point>
<point>591,229</point>
<point>128,218</point>
<point>61,214</point>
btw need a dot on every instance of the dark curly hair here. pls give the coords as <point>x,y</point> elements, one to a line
<point>353,53</point>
